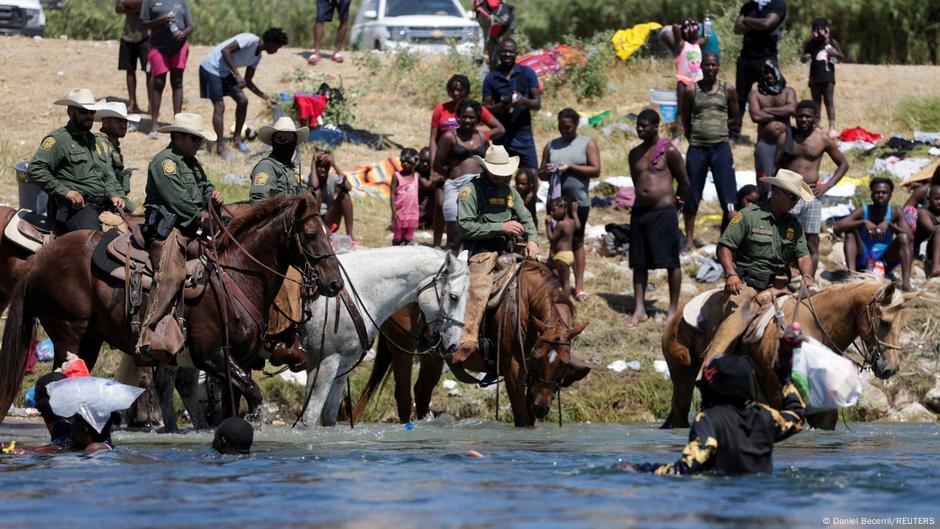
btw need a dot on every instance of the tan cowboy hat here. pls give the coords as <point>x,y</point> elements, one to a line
<point>498,161</point>
<point>792,182</point>
<point>190,124</point>
<point>923,175</point>
<point>79,97</point>
<point>284,124</point>
<point>114,109</point>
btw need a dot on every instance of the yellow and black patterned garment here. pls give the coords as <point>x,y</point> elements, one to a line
<point>736,440</point>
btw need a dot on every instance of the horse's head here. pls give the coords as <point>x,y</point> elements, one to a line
<point>444,301</point>
<point>551,365</point>
<point>314,253</point>
<point>880,324</point>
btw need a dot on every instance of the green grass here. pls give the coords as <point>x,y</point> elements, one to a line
<point>920,113</point>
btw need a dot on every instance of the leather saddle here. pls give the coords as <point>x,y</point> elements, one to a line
<point>112,252</point>
<point>28,230</point>
<point>503,273</point>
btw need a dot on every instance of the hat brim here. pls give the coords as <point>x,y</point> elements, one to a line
<point>66,102</point>
<point>106,113</point>
<point>803,190</point>
<point>208,135</point>
<point>508,169</point>
<point>923,175</point>
<point>267,132</point>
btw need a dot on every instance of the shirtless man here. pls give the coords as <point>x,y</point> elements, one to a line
<point>654,221</point>
<point>770,106</point>
<point>803,155</point>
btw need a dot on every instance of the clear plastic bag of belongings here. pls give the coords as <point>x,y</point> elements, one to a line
<point>826,380</point>
<point>91,397</point>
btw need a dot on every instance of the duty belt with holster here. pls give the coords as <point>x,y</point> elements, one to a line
<point>761,280</point>
<point>63,207</point>
<point>159,222</point>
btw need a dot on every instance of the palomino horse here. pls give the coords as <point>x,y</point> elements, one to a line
<point>381,280</point>
<point>531,332</point>
<point>80,307</point>
<point>836,317</point>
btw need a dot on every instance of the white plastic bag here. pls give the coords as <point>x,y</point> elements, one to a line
<point>826,380</point>
<point>91,397</point>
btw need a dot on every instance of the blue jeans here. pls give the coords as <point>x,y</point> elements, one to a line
<point>718,158</point>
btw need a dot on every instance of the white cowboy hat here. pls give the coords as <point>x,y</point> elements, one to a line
<point>792,182</point>
<point>498,161</point>
<point>190,124</point>
<point>79,97</point>
<point>284,124</point>
<point>114,109</point>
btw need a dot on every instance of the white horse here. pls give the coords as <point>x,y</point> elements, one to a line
<point>386,279</point>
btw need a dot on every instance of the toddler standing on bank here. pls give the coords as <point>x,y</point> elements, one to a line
<point>404,199</point>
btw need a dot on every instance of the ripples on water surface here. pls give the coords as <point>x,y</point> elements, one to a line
<point>386,476</point>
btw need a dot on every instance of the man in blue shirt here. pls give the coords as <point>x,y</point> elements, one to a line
<point>511,93</point>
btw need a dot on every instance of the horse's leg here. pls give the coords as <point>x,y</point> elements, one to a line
<point>401,371</point>
<point>215,397</point>
<point>164,379</point>
<point>333,400</point>
<point>89,347</point>
<point>684,362</point>
<point>826,420</point>
<point>429,374</point>
<point>319,382</point>
<point>187,379</point>
<point>516,389</point>
<point>241,381</point>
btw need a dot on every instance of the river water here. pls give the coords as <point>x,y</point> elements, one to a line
<point>541,478</point>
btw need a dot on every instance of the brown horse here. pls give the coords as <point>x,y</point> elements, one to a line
<point>80,307</point>
<point>531,332</point>
<point>863,308</point>
<point>13,260</point>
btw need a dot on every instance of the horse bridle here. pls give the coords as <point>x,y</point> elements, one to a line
<point>874,353</point>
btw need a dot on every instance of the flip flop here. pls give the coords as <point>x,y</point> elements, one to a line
<point>337,57</point>
<point>153,135</point>
<point>313,59</point>
<point>636,324</point>
<point>243,147</point>
<point>581,296</point>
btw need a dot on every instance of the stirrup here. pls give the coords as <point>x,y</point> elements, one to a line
<point>143,358</point>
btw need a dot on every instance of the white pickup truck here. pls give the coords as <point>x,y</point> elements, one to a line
<point>22,17</point>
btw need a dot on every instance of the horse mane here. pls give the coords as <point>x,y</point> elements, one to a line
<point>549,291</point>
<point>858,279</point>
<point>260,212</point>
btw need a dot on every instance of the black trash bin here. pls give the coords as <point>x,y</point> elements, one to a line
<point>31,196</point>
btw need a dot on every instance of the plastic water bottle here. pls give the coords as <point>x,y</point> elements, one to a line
<point>707,24</point>
<point>879,270</point>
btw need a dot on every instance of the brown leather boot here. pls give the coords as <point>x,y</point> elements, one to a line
<point>294,356</point>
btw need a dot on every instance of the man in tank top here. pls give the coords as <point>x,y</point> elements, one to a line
<point>708,110</point>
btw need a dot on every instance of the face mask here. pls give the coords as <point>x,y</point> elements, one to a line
<point>774,87</point>
<point>284,151</point>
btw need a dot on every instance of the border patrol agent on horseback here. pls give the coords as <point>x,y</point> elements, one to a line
<point>277,175</point>
<point>491,216</point>
<point>74,167</point>
<point>177,193</point>
<point>756,250</point>
<point>114,119</point>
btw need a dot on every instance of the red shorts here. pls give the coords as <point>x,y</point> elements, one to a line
<point>161,64</point>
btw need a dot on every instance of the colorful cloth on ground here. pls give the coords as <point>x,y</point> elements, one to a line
<point>309,107</point>
<point>627,41</point>
<point>858,133</point>
<point>551,60</point>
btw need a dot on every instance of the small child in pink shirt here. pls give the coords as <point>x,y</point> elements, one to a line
<point>404,199</point>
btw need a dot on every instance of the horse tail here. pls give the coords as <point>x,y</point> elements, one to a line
<point>380,370</point>
<point>15,348</point>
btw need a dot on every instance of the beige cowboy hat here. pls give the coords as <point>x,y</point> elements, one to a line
<point>114,109</point>
<point>190,124</point>
<point>79,97</point>
<point>924,175</point>
<point>792,182</point>
<point>284,124</point>
<point>498,161</point>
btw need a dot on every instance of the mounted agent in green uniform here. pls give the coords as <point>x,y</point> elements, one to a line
<point>74,168</point>
<point>177,193</point>
<point>490,215</point>
<point>114,119</point>
<point>756,250</point>
<point>277,175</point>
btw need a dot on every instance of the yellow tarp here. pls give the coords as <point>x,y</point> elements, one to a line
<point>627,41</point>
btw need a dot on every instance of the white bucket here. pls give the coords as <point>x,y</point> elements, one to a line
<point>667,102</point>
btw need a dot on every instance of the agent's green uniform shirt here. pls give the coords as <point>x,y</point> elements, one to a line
<point>178,183</point>
<point>272,177</point>
<point>69,159</point>
<point>482,209</point>
<point>117,164</point>
<point>762,243</point>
